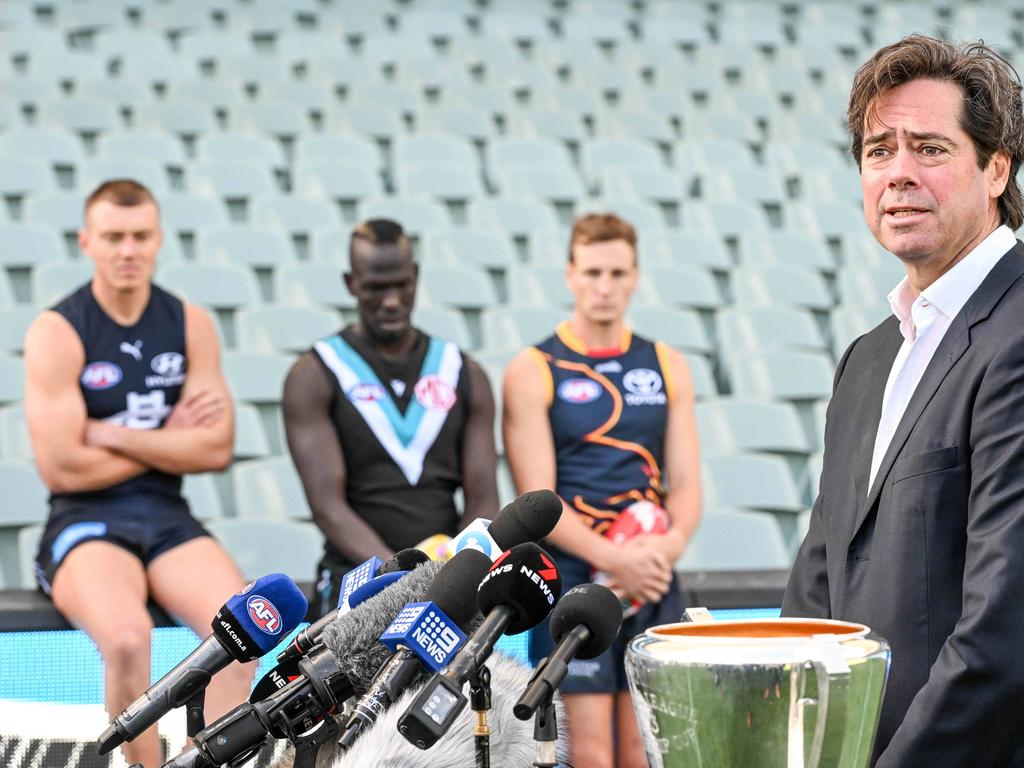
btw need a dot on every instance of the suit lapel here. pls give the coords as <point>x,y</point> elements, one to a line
<point>952,347</point>
<point>886,347</point>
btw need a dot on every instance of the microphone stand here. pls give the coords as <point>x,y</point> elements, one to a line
<point>545,733</point>
<point>480,701</point>
<point>194,720</point>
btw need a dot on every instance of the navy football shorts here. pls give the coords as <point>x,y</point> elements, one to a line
<point>605,673</point>
<point>145,525</point>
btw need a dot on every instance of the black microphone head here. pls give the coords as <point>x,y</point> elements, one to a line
<point>594,606</point>
<point>529,517</point>
<point>403,560</point>
<point>453,588</point>
<point>524,578</point>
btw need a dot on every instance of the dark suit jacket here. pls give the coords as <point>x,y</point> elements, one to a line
<point>931,557</point>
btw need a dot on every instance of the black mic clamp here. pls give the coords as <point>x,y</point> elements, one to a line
<point>432,712</point>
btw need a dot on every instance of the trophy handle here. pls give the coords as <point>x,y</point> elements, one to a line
<point>832,675</point>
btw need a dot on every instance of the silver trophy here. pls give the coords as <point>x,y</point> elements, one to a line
<point>775,693</point>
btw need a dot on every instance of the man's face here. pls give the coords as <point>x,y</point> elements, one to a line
<point>602,277</point>
<point>123,242</point>
<point>925,199</point>
<point>383,282</point>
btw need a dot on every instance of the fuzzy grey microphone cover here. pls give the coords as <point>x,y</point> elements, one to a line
<point>353,639</point>
<point>512,742</point>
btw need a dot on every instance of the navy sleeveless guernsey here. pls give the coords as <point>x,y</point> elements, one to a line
<point>400,425</point>
<point>132,376</point>
<point>608,411</point>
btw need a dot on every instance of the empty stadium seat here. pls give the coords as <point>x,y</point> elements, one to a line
<point>187,214</point>
<point>248,246</point>
<point>518,217</point>
<point>284,328</point>
<point>269,488</point>
<point>750,481</point>
<point>762,328</point>
<point>516,327</point>
<point>311,285</point>
<point>417,215</point>
<point>261,546</point>
<point>682,285</point>
<point>458,286</point>
<point>766,286</point>
<point>755,425</point>
<point>668,248</point>
<point>351,150</point>
<point>52,281</point>
<point>14,322</point>
<point>200,491</point>
<point>443,183</point>
<point>337,180</point>
<point>25,245</point>
<point>471,247</point>
<point>447,324</point>
<point>735,540</point>
<point>220,286</point>
<point>25,503</point>
<point>250,437</point>
<point>782,375</point>
<point>256,377</point>
<point>19,178</point>
<point>241,147</point>
<point>678,328</point>
<point>603,154</point>
<point>149,173</point>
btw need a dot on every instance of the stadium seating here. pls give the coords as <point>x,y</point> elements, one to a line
<point>267,130</point>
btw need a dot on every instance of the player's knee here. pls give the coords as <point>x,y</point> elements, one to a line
<point>127,643</point>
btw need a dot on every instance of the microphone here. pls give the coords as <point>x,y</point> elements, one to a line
<point>423,634</point>
<point>584,624</point>
<point>359,577</point>
<point>327,676</point>
<point>516,594</point>
<point>246,627</point>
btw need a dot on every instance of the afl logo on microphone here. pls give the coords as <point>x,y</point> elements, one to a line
<point>101,375</point>
<point>264,614</point>
<point>579,390</point>
<point>434,393</point>
<point>644,387</point>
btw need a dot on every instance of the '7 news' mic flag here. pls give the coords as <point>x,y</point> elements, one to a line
<point>424,629</point>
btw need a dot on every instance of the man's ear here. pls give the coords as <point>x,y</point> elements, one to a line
<point>998,173</point>
<point>350,282</point>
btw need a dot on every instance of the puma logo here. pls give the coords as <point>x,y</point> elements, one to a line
<point>135,350</point>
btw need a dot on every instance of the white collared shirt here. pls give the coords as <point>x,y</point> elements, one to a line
<point>924,321</point>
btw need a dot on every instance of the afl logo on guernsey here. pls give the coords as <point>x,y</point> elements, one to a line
<point>579,390</point>
<point>434,393</point>
<point>366,392</point>
<point>101,375</point>
<point>643,387</point>
<point>264,614</point>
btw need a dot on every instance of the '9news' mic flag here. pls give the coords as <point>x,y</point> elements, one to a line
<point>516,594</point>
<point>422,634</point>
<point>246,627</point>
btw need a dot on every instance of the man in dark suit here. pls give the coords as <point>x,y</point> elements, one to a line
<point>918,530</point>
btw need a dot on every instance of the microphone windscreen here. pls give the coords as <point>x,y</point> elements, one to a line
<point>403,560</point>
<point>256,619</point>
<point>354,638</point>
<point>372,587</point>
<point>529,517</point>
<point>594,606</point>
<point>454,588</point>
<point>524,578</point>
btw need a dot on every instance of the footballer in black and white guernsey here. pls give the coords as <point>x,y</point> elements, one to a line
<point>385,423</point>
<point>123,396</point>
